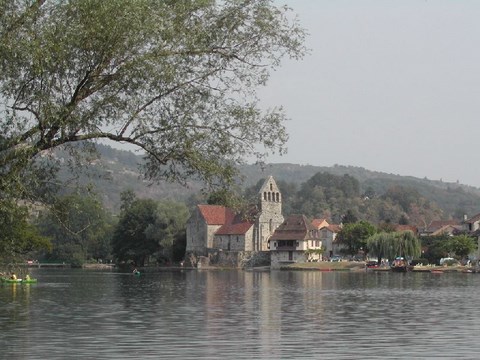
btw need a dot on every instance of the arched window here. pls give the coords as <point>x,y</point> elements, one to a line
<point>271,187</point>
<point>265,195</point>
<point>278,197</point>
<point>269,196</point>
<point>270,225</point>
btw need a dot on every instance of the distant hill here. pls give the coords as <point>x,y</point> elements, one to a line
<point>118,170</point>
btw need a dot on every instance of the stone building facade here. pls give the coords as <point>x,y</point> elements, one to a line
<point>295,240</point>
<point>202,225</point>
<point>215,227</point>
<point>269,216</point>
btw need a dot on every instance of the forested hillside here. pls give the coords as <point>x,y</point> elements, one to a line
<point>370,195</point>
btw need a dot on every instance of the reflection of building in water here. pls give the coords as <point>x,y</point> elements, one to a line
<point>259,306</point>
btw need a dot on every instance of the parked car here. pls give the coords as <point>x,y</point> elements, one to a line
<point>336,258</point>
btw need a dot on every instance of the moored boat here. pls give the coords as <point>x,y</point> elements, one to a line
<point>400,264</point>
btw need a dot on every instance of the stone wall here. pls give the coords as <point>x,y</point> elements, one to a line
<point>228,259</point>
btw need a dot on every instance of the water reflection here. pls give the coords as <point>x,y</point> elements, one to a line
<point>240,315</point>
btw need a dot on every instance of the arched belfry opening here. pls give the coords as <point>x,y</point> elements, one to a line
<point>270,216</point>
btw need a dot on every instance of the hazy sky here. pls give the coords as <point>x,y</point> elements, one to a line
<point>392,86</point>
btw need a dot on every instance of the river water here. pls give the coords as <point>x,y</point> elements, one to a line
<point>84,314</point>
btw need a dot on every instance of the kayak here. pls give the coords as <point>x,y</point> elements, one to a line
<point>29,281</point>
<point>19,281</point>
<point>11,281</point>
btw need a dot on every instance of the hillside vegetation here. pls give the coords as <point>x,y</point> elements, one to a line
<point>369,195</point>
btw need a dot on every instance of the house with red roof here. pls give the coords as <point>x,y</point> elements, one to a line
<point>236,235</point>
<point>328,233</point>
<point>203,224</point>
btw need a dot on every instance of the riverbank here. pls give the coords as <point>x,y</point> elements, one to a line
<point>361,266</point>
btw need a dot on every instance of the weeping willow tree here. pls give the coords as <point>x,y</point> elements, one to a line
<point>391,245</point>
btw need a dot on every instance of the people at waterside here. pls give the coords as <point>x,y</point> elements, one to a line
<point>27,277</point>
<point>13,276</point>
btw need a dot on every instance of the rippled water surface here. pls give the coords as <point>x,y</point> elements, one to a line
<point>241,315</point>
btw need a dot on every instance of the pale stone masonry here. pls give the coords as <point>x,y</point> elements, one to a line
<point>215,227</point>
<point>270,215</point>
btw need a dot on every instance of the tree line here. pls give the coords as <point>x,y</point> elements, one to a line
<point>77,228</point>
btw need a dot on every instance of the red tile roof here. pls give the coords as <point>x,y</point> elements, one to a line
<point>320,223</point>
<point>240,228</point>
<point>334,228</point>
<point>216,214</point>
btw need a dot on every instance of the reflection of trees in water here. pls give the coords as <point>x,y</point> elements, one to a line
<point>14,309</point>
<point>151,292</point>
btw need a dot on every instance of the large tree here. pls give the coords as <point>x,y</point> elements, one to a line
<point>460,245</point>
<point>175,78</point>
<point>392,244</point>
<point>18,237</point>
<point>79,227</point>
<point>353,236</point>
<point>169,230</point>
<point>131,241</point>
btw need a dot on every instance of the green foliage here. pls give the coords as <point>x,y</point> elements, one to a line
<point>349,217</point>
<point>79,227</point>
<point>461,245</point>
<point>176,79</point>
<point>169,230</point>
<point>18,238</point>
<point>325,192</point>
<point>150,230</point>
<point>392,244</point>
<point>354,236</point>
<point>226,197</point>
<point>130,241</point>
<point>434,248</point>
<point>402,196</point>
<point>315,251</point>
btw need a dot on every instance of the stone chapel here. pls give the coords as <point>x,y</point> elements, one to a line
<point>215,227</point>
